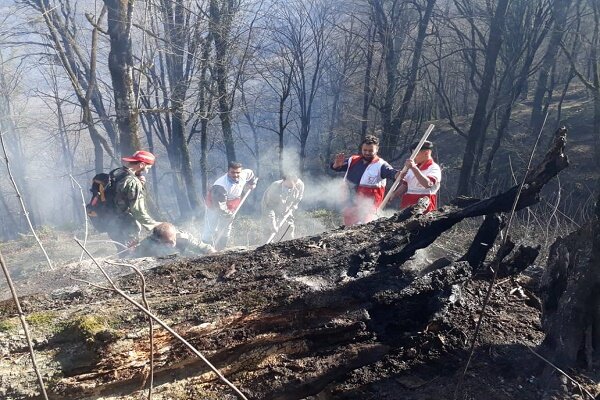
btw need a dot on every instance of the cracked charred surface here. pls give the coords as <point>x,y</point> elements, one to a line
<point>333,315</point>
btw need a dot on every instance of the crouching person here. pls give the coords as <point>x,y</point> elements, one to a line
<point>279,202</point>
<point>166,239</point>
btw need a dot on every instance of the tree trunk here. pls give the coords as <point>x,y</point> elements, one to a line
<point>391,141</point>
<point>204,109</point>
<point>204,157</point>
<point>478,122</point>
<point>10,133</point>
<point>178,39</point>
<point>178,187</point>
<point>280,133</point>
<point>560,10</point>
<point>155,184</point>
<point>10,226</point>
<point>120,64</point>
<point>220,26</point>
<point>366,103</point>
<point>333,122</point>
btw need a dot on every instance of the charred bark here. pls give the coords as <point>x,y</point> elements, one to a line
<point>478,123</point>
<point>570,288</point>
<point>485,237</point>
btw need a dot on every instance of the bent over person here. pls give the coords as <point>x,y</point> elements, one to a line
<point>365,177</point>
<point>422,179</point>
<point>222,201</point>
<point>166,239</point>
<point>131,213</point>
<point>279,202</point>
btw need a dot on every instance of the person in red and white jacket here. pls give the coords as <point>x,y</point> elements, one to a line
<point>422,179</point>
<point>366,176</point>
<point>222,201</point>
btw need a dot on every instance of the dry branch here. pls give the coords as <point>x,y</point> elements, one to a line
<point>24,324</point>
<point>21,202</point>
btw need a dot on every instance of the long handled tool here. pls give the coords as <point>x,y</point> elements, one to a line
<point>404,169</point>
<point>284,233</point>
<point>285,217</point>
<point>222,231</point>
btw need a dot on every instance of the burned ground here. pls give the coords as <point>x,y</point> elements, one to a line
<point>354,313</point>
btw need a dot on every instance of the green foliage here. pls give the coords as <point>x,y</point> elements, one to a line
<point>8,325</point>
<point>41,319</point>
<point>86,327</point>
<point>329,218</point>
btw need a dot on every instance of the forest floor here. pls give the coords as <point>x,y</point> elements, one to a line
<point>416,365</point>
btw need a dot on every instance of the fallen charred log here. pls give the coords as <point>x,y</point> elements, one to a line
<point>286,320</point>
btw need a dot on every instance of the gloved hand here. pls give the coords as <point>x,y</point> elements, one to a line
<point>251,184</point>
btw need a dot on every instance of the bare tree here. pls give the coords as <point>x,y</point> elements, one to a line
<point>592,80</point>
<point>478,122</point>
<point>341,66</point>
<point>222,13</point>
<point>175,46</point>
<point>527,27</point>
<point>560,10</point>
<point>272,66</point>
<point>203,110</point>
<point>12,139</point>
<point>63,36</point>
<point>393,22</point>
<point>303,31</point>
<point>367,84</point>
<point>120,64</point>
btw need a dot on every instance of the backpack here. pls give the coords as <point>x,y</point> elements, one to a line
<point>101,208</point>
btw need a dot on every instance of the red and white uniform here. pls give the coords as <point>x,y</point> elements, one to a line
<point>229,191</point>
<point>415,190</point>
<point>369,188</point>
<point>371,183</point>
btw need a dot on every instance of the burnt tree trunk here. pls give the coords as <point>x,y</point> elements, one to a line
<point>571,287</point>
<point>220,20</point>
<point>288,319</point>
<point>478,123</point>
<point>559,11</point>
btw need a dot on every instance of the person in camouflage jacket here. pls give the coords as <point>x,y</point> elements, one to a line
<point>166,239</point>
<point>279,201</point>
<point>131,213</point>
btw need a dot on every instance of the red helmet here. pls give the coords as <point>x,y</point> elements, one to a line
<point>141,156</point>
